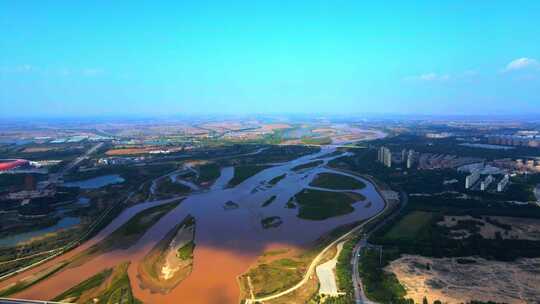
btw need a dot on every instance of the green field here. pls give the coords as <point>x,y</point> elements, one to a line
<point>243,172</point>
<point>271,222</point>
<point>410,226</point>
<point>31,280</point>
<point>167,188</point>
<point>379,285</point>
<point>275,276</point>
<point>75,293</point>
<point>138,224</point>
<point>110,286</point>
<point>320,205</point>
<point>308,165</point>
<point>337,182</point>
<point>276,179</point>
<point>316,140</point>
<point>269,201</point>
<point>128,233</point>
<point>208,172</point>
<point>186,252</point>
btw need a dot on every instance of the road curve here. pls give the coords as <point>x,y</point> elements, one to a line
<point>359,294</point>
<point>318,258</point>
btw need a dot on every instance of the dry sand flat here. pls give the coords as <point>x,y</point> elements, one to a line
<point>326,275</point>
<point>451,282</point>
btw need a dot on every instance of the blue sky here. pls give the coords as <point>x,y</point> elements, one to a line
<point>65,58</point>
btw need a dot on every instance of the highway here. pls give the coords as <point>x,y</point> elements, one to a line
<point>53,178</point>
<point>359,294</point>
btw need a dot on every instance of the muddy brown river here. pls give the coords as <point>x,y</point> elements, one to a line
<point>227,241</point>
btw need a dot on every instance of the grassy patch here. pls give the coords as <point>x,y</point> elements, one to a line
<point>410,225</point>
<point>308,165</point>
<point>208,172</point>
<point>138,224</point>
<point>275,252</point>
<point>344,274</point>
<point>119,288</point>
<point>276,179</point>
<point>74,294</point>
<point>269,201</point>
<point>128,234</point>
<point>320,205</point>
<point>166,188</point>
<point>243,172</point>
<point>434,240</point>
<point>275,276</point>
<point>336,182</point>
<point>379,286</point>
<point>271,222</point>
<point>31,280</point>
<point>186,252</point>
<point>316,140</point>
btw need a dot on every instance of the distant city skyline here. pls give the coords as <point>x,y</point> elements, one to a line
<point>66,59</point>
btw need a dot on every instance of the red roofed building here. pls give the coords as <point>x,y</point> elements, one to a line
<point>9,164</point>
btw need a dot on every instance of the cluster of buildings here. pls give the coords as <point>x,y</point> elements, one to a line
<point>384,156</point>
<point>476,181</point>
<point>431,161</point>
<point>423,161</point>
<point>72,139</point>
<point>438,135</point>
<point>30,190</point>
<point>519,165</point>
<point>387,158</point>
<point>525,140</point>
<point>107,161</point>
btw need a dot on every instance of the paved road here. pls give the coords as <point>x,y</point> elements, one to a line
<point>318,258</point>
<point>359,293</point>
<point>53,178</point>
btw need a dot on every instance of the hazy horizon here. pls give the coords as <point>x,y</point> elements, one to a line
<point>101,59</point>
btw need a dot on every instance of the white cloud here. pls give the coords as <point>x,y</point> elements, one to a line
<point>521,64</point>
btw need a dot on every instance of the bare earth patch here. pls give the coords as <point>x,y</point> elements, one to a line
<point>450,281</point>
<point>519,228</point>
